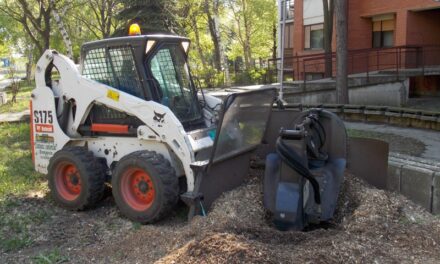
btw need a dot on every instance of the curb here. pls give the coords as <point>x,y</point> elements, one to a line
<point>394,116</point>
<point>416,178</point>
<point>15,117</point>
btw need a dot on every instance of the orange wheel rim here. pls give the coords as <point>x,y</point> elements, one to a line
<point>137,189</point>
<point>68,181</point>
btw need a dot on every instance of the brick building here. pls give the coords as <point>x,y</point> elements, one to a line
<point>399,27</point>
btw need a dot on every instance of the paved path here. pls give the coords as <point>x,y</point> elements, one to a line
<point>223,92</point>
<point>6,82</point>
<point>430,138</point>
<point>14,117</point>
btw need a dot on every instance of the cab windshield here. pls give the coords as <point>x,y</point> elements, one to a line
<point>171,73</point>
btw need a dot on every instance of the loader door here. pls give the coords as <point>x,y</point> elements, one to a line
<point>171,77</point>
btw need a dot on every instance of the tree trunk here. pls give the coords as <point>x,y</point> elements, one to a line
<point>220,60</point>
<point>274,45</point>
<point>62,29</point>
<point>197,39</point>
<point>29,64</point>
<point>47,28</point>
<point>214,35</point>
<point>247,37</point>
<point>328,36</point>
<point>108,27</point>
<point>341,52</point>
<point>224,65</point>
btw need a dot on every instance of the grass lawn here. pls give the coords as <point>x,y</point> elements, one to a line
<point>23,98</point>
<point>17,178</point>
<point>17,175</point>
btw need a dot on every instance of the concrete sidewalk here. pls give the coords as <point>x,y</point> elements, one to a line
<point>14,117</point>
<point>224,92</point>
<point>7,82</point>
<point>431,139</point>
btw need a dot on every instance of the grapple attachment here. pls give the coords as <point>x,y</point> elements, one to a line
<point>303,178</point>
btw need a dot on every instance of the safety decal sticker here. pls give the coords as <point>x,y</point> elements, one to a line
<point>113,95</point>
<point>45,146</point>
<point>40,128</point>
<point>44,139</point>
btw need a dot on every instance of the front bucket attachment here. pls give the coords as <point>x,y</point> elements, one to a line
<point>240,131</point>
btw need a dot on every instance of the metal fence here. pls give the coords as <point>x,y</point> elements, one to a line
<point>363,61</point>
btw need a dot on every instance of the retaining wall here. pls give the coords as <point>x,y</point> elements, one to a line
<point>416,178</point>
<point>379,114</point>
<point>390,93</point>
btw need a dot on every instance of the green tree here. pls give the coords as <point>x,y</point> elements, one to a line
<point>151,15</point>
<point>191,20</point>
<point>214,29</point>
<point>98,16</point>
<point>35,18</point>
<point>13,39</point>
<point>62,28</point>
<point>6,35</point>
<point>251,28</point>
<point>200,20</point>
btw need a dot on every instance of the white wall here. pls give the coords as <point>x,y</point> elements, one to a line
<point>384,94</point>
<point>313,12</point>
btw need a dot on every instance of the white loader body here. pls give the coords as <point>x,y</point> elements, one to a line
<point>164,135</point>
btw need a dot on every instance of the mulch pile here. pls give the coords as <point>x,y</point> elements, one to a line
<point>370,226</point>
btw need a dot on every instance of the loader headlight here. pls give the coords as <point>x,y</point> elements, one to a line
<point>150,45</point>
<point>185,46</point>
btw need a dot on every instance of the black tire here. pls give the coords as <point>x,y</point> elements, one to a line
<point>90,176</point>
<point>161,187</point>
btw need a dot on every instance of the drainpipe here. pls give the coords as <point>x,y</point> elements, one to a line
<point>282,38</point>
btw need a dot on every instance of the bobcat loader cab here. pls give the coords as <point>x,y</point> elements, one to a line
<point>131,115</point>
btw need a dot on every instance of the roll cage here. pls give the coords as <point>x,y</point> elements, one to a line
<point>125,64</point>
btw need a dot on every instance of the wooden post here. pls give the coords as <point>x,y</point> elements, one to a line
<point>341,52</point>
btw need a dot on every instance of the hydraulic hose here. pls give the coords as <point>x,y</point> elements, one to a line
<point>293,160</point>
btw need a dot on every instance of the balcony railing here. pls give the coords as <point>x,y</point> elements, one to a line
<point>363,61</point>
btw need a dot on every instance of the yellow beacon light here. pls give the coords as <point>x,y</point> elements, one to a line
<point>135,30</point>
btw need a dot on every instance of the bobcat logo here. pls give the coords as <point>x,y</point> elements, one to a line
<point>159,117</point>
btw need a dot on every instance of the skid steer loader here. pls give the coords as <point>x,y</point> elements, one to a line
<point>131,116</point>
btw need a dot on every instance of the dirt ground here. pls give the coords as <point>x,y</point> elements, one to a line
<point>370,226</point>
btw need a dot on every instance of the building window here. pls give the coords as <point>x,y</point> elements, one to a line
<point>311,76</point>
<point>383,33</point>
<point>314,36</point>
<point>289,8</point>
<point>288,41</point>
